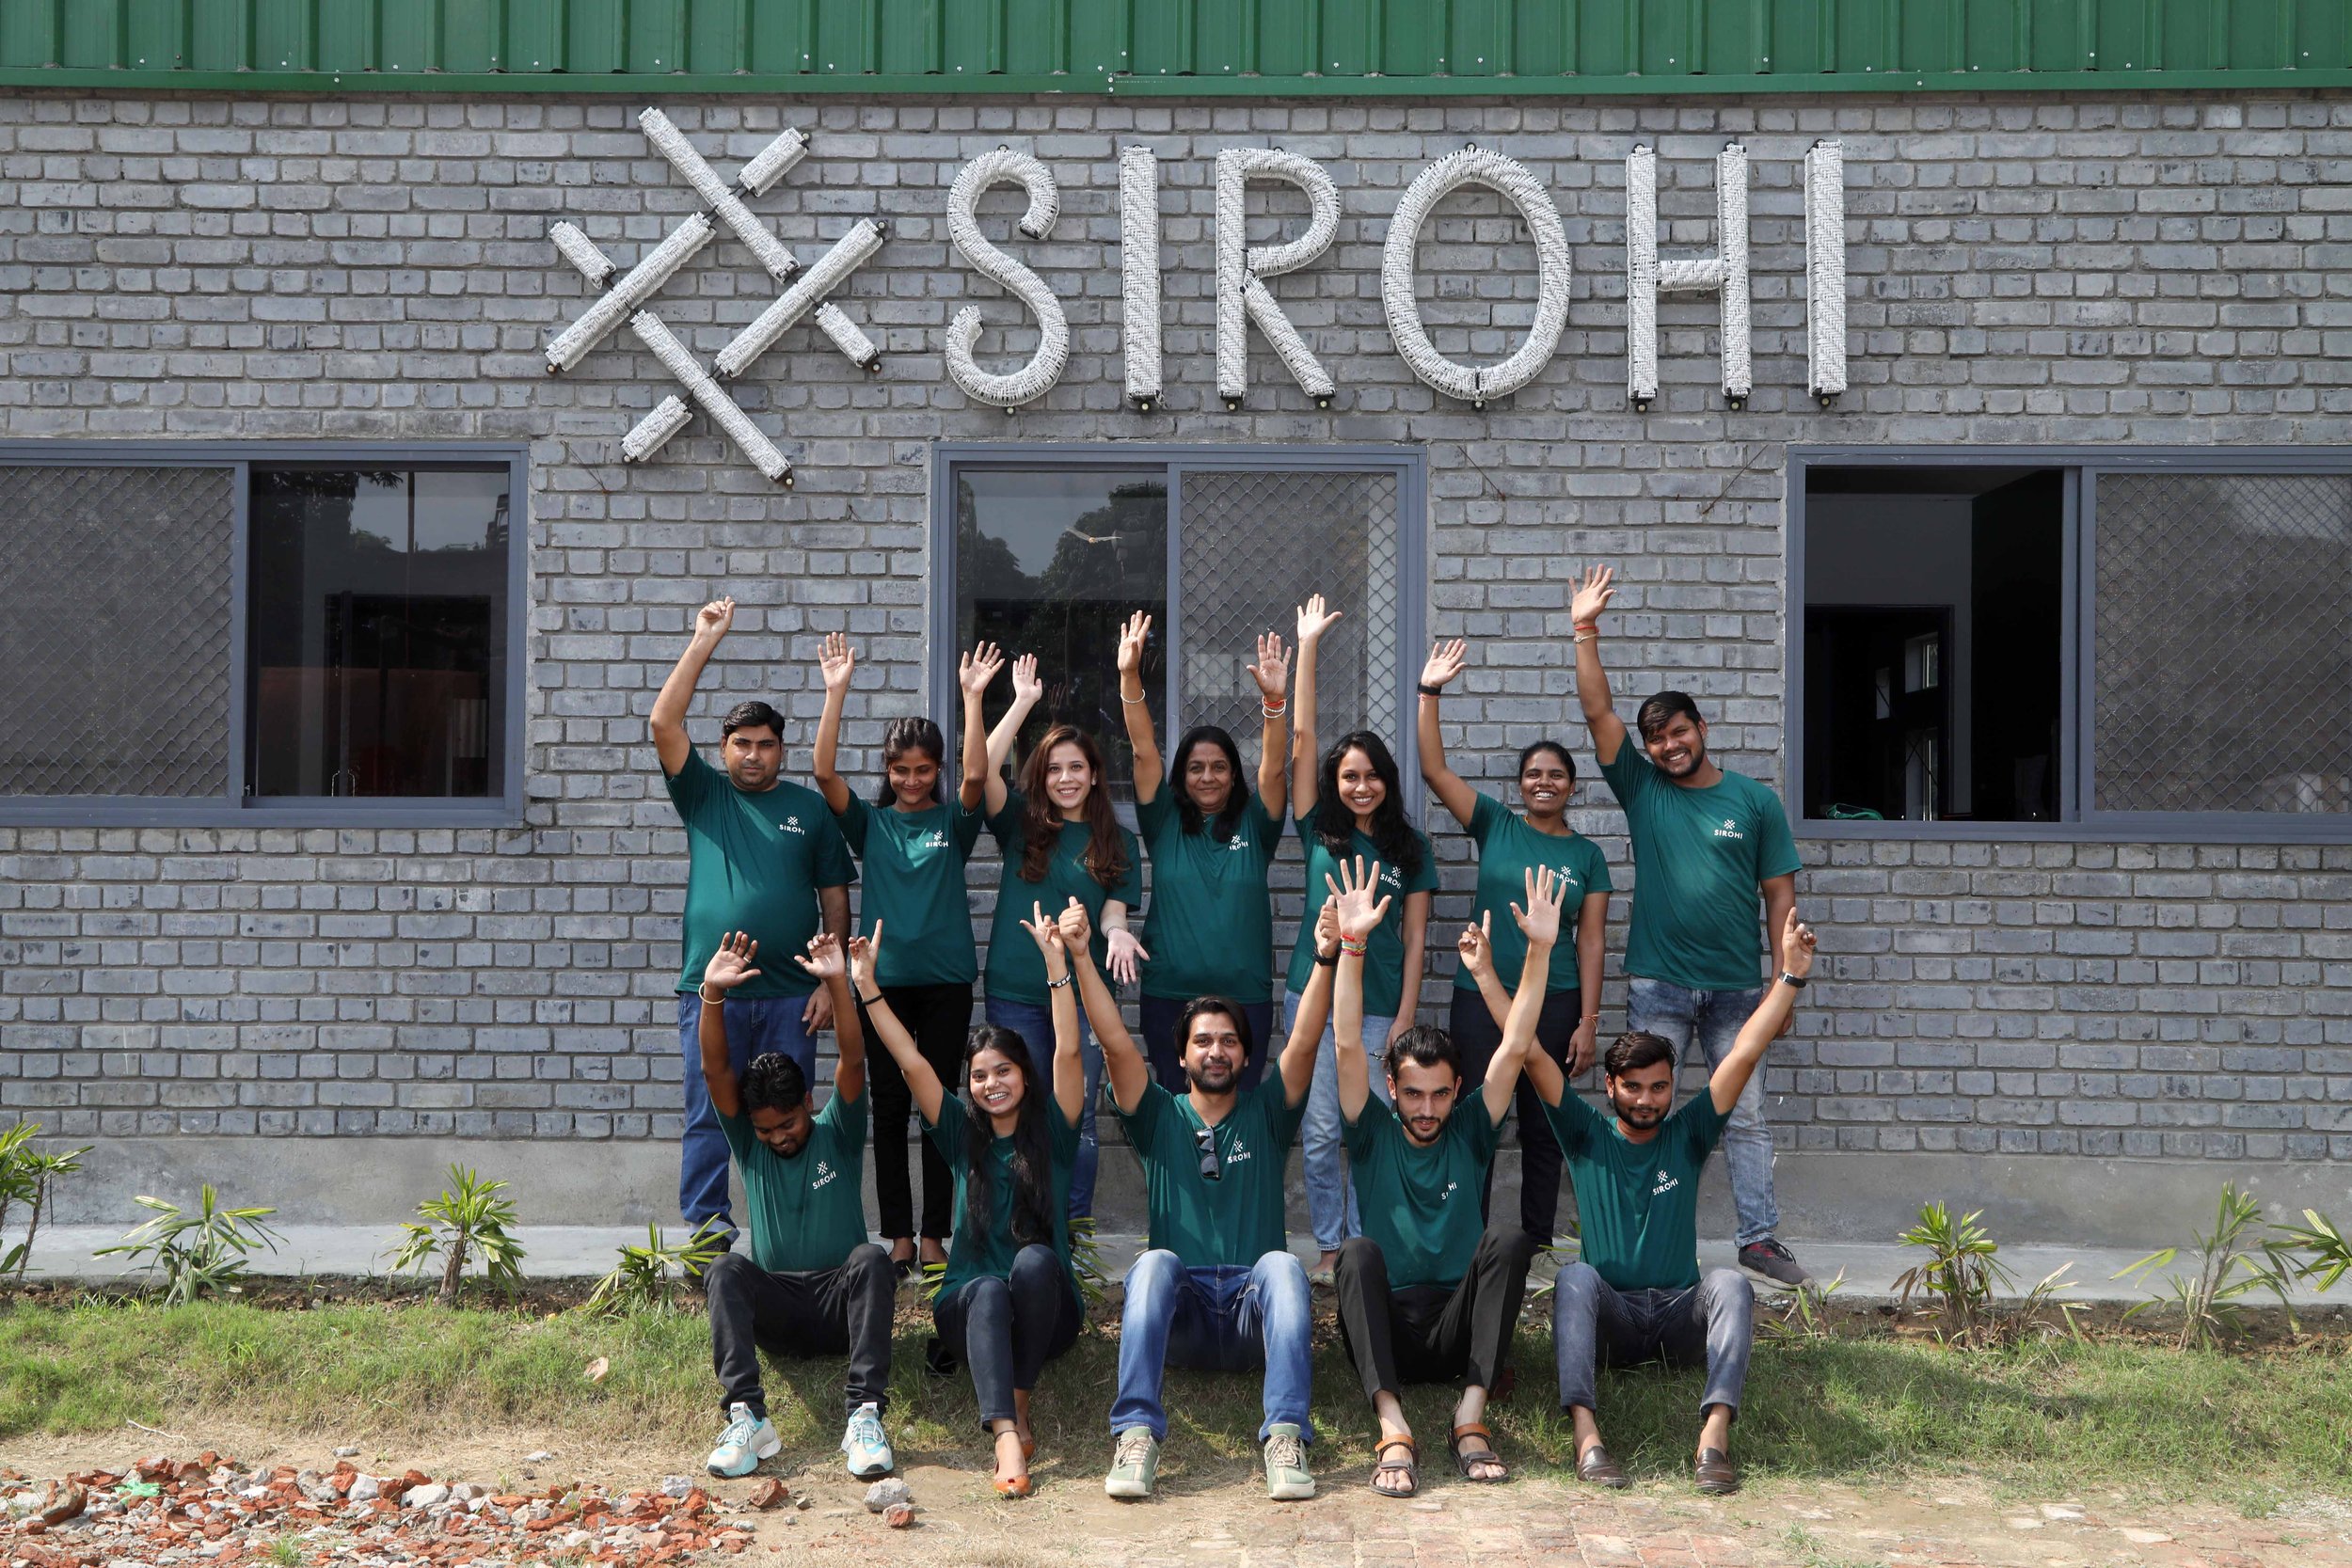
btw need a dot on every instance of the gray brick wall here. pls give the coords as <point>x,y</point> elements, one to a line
<point>2113,270</point>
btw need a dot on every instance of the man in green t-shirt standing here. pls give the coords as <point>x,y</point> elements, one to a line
<point>813,1284</point>
<point>763,857</point>
<point>1707,844</point>
<point>1635,1293</point>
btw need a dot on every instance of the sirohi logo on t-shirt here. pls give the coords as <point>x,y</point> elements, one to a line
<point>1238,841</point>
<point>937,840</point>
<point>1667,1182</point>
<point>1239,1152</point>
<point>1730,830</point>
<point>824,1173</point>
<point>1449,1191</point>
<point>792,824</point>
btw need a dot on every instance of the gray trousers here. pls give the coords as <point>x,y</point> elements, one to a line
<point>1595,1323</point>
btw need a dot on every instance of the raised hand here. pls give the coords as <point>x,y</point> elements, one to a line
<point>1477,945</point>
<point>714,620</point>
<point>1026,687</point>
<point>1592,595</point>
<point>1046,934</point>
<point>1445,662</point>
<point>1313,620</point>
<point>979,666</point>
<point>1132,637</point>
<point>1355,893</point>
<point>837,662</point>
<point>825,959</point>
<point>1326,927</point>
<point>1076,928</point>
<point>864,962</point>
<point>1540,920</point>
<point>1126,954</point>
<point>1273,669</point>
<point>1797,942</point>
<point>731,965</point>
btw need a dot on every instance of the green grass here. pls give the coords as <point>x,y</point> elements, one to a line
<point>2103,1412</point>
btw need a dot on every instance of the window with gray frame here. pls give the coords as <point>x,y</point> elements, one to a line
<point>2055,643</point>
<point>1047,550</point>
<point>225,632</point>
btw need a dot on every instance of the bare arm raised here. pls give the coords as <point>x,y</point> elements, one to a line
<point>1354,910</point>
<point>1539,923</point>
<point>1273,673</point>
<point>711,624</point>
<point>1313,621</point>
<point>729,967</point>
<point>923,1085</point>
<point>1123,1062</point>
<point>829,963</point>
<point>1766,1024</point>
<point>1592,682</point>
<point>972,674</point>
<point>1445,662</point>
<point>836,664</point>
<point>1027,690</point>
<point>1134,707</point>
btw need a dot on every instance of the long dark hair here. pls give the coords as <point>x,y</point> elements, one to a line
<point>1106,859</point>
<point>911,734</point>
<point>1190,815</point>
<point>1032,1213</point>
<point>1392,833</point>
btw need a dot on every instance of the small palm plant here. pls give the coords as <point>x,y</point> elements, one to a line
<point>469,1221</point>
<point>2232,1262</point>
<point>2319,1251</point>
<point>1961,1273</point>
<point>647,1278</point>
<point>200,1253</point>
<point>25,1173</point>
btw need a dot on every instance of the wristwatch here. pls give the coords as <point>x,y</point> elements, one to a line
<point>1796,981</point>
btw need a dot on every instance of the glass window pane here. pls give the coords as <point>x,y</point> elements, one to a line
<point>378,632</point>
<point>2223,621</point>
<point>116,632</point>
<point>1051,562</point>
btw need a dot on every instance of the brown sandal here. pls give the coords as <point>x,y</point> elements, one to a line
<point>1409,1467</point>
<point>1483,1454</point>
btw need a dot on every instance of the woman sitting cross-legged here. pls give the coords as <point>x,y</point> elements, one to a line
<point>1009,1301</point>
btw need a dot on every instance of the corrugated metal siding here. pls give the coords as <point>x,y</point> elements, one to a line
<point>1266,47</point>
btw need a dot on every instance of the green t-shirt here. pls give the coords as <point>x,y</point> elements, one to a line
<point>914,887</point>
<point>807,1211</point>
<point>1637,1205</point>
<point>1508,847</point>
<point>1421,1205</point>
<point>988,1254</point>
<point>1698,855</point>
<point>754,864</point>
<point>1211,927</point>
<point>1384,957</point>
<point>1236,1219</point>
<point>1016,970</point>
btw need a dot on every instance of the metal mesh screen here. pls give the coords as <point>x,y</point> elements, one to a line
<point>1253,546</point>
<point>2224,642</point>
<point>114,630</point>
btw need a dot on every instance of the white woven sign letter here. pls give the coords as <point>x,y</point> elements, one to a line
<point>1724,273</point>
<point>1825,270</point>
<point>1476,384</point>
<point>1139,274</point>
<point>1036,378</point>
<point>1241,297</point>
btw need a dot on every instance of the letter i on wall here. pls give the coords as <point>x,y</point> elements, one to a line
<point>1139,274</point>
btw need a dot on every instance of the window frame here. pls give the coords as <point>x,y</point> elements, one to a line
<point>1410,464</point>
<point>2078,822</point>
<point>235,808</point>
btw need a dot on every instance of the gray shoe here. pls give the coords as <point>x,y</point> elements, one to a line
<point>1287,1478</point>
<point>1135,1464</point>
<point>1770,1263</point>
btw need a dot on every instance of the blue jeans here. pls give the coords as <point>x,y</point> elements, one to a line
<point>1710,1325</point>
<point>755,1026</point>
<point>1035,1025</point>
<point>1223,1320</point>
<point>1713,1018</point>
<point>1330,1197</point>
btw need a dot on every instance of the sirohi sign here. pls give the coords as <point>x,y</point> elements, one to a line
<point>1242,301</point>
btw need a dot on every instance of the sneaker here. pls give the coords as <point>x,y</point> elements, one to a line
<point>747,1440</point>
<point>868,1449</point>
<point>1287,1479</point>
<point>1769,1263</point>
<point>1134,1464</point>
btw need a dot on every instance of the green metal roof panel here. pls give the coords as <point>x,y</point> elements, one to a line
<point>1251,47</point>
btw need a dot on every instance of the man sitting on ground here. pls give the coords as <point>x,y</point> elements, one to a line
<point>1218,1288</point>
<point>1421,1294</point>
<point>1636,1294</point>
<point>813,1284</point>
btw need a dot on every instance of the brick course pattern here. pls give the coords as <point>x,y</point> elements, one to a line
<point>2116,270</point>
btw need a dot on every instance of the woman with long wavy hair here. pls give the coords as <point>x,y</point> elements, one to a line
<point>1008,1302</point>
<point>1350,802</point>
<point>1060,844</point>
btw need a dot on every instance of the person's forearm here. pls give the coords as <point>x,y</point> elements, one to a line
<point>974,750</point>
<point>1592,681</point>
<point>1008,729</point>
<point>1354,1074</point>
<point>1527,1003</point>
<point>1492,992</point>
<point>849,1035</point>
<point>1746,1055</point>
<point>1779,898</point>
<point>1303,731</point>
<point>1274,752</point>
<point>1134,710</point>
<point>718,1068</point>
<point>833,906</point>
<point>822,766</point>
<point>678,692</point>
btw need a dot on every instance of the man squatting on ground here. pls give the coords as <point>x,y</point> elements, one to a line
<point>1635,1293</point>
<point>1216,1288</point>
<point>1423,1293</point>
<point>813,1284</point>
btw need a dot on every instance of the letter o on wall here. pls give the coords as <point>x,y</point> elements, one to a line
<point>1476,165</point>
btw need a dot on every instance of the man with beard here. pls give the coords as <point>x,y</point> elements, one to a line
<point>1422,1294</point>
<point>1635,1293</point>
<point>1217,1287</point>
<point>1705,843</point>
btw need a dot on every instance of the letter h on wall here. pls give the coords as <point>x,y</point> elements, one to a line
<point>1724,273</point>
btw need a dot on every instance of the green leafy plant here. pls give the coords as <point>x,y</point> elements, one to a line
<point>1086,1261</point>
<point>2234,1261</point>
<point>1961,1273</point>
<point>647,1278</point>
<point>25,1173</point>
<point>2315,1251</point>
<point>200,1253</point>
<point>469,1221</point>
<point>1806,1315</point>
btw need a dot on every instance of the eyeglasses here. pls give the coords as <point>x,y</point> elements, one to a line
<point>1204,1143</point>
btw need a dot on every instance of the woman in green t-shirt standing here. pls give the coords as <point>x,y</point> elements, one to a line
<point>1212,840</point>
<point>1510,846</point>
<point>1351,803</point>
<point>914,845</point>
<point>1008,1302</point>
<point>1060,843</point>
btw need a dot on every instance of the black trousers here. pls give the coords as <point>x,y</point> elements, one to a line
<point>1425,1333</point>
<point>822,1312</point>
<point>940,1018</point>
<point>1477,1035</point>
<point>1006,1329</point>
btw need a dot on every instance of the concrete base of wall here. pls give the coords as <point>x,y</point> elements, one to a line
<point>1827,1197</point>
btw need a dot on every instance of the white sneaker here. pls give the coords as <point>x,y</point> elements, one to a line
<point>868,1447</point>
<point>747,1440</point>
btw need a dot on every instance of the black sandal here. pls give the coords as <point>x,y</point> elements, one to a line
<point>1483,1454</point>
<point>1409,1467</point>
